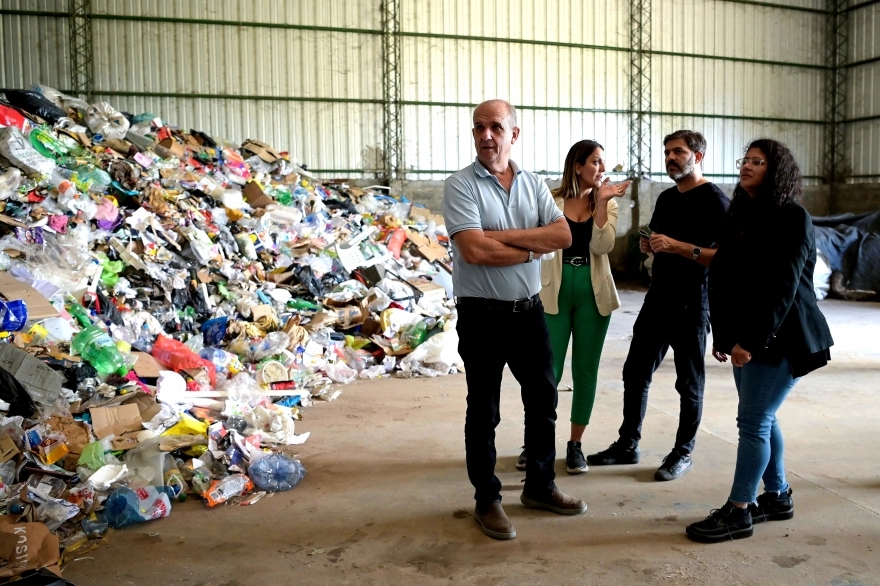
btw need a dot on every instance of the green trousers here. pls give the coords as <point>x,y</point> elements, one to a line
<point>579,320</point>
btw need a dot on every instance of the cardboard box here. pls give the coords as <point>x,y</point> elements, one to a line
<point>38,306</point>
<point>429,289</point>
<point>41,382</point>
<point>8,449</point>
<point>255,197</point>
<point>115,420</point>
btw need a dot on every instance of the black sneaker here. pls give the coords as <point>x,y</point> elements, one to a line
<point>724,524</point>
<point>674,466</point>
<point>521,462</point>
<point>575,463</point>
<point>772,506</point>
<point>616,453</point>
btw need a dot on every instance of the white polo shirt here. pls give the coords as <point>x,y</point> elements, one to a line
<point>474,199</point>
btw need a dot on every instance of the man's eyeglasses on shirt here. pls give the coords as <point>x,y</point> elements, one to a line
<point>740,163</point>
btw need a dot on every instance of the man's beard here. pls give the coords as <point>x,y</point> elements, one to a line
<point>683,173</point>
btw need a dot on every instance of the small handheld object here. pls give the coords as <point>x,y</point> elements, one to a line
<point>645,232</point>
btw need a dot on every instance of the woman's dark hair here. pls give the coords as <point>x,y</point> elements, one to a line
<point>783,183</point>
<point>577,155</point>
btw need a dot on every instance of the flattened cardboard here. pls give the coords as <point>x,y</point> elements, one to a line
<point>8,449</point>
<point>261,149</point>
<point>37,305</point>
<point>146,366</point>
<point>41,382</point>
<point>115,420</point>
<point>146,404</point>
<point>255,197</point>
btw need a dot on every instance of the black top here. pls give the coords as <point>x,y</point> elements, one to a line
<point>761,287</point>
<point>581,234</point>
<point>695,216</point>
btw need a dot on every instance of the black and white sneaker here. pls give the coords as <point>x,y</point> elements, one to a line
<point>521,461</point>
<point>772,506</point>
<point>724,524</point>
<point>575,463</point>
<point>675,465</point>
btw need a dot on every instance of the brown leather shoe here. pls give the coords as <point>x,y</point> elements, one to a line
<point>558,502</point>
<point>493,521</point>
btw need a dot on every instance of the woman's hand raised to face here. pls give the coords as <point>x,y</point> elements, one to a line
<point>608,191</point>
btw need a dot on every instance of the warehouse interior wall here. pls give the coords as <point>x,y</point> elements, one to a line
<point>308,77</point>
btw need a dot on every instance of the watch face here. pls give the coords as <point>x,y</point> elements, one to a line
<point>697,252</point>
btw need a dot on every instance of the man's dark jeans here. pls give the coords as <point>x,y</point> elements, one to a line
<point>661,326</point>
<point>489,339</point>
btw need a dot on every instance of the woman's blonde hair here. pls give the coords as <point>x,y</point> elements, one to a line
<point>577,155</point>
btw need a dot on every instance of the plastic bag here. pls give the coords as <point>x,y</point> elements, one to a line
<point>11,117</point>
<point>276,472</point>
<point>178,356</point>
<point>341,373</point>
<point>15,147</point>
<point>92,456</point>
<point>105,120</point>
<point>125,506</point>
<point>36,104</point>
<point>12,392</point>
<point>13,315</point>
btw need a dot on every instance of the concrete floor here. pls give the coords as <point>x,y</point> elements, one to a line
<point>387,501</point>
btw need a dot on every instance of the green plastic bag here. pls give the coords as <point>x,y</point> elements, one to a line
<point>92,456</point>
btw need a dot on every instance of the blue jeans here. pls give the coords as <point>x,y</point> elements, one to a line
<point>762,387</point>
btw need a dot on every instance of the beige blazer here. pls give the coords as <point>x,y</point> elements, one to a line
<point>601,243</point>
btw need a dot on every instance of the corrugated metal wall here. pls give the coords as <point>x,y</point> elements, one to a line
<point>733,93</point>
<point>556,61</point>
<point>306,75</point>
<point>863,93</point>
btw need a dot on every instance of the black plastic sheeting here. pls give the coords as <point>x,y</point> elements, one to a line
<point>851,243</point>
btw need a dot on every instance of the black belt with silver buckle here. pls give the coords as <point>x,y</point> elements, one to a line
<point>577,261</point>
<point>517,306</point>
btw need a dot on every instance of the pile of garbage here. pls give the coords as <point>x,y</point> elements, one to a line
<point>171,304</point>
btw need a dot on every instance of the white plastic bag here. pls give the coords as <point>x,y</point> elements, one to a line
<point>104,119</point>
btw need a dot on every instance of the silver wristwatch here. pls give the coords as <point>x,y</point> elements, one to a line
<point>697,252</point>
<point>531,256</point>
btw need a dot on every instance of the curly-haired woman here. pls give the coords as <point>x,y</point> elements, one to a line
<point>764,315</point>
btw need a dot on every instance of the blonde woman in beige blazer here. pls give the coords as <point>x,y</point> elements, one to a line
<point>578,290</point>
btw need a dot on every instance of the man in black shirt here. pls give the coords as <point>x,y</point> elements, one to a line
<point>686,223</point>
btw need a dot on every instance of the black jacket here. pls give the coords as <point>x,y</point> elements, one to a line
<point>761,287</point>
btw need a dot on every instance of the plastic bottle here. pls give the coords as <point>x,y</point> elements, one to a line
<point>99,350</point>
<point>224,489</point>
<point>416,334</point>
<point>276,473</point>
<point>302,305</point>
<point>144,343</point>
<point>174,479</point>
<point>78,312</point>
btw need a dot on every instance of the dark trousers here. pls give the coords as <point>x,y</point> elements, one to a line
<point>659,327</point>
<point>489,339</point>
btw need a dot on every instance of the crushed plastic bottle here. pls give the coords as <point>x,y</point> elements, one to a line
<point>276,473</point>
<point>224,489</point>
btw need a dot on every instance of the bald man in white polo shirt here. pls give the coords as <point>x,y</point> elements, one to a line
<point>501,219</point>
